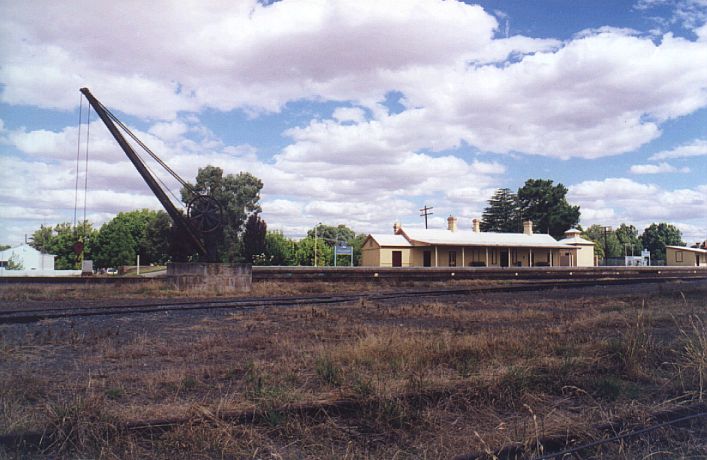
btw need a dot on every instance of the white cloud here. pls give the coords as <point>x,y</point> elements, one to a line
<point>354,114</point>
<point>618,200</point>
<point>657,169</point>
<point>602,93</point>
<point>696,148</point>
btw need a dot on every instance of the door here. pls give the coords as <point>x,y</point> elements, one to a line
<point>397,258</point>
<point>452,258</point>
<point>504,258</point>
<point>427,259</point>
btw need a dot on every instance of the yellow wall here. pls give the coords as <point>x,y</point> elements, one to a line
<point>585,255</point>
<point>679,258</point>
<point>375,256</point>
<point>372,255</point>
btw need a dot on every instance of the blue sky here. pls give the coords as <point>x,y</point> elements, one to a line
<point>361,112</point>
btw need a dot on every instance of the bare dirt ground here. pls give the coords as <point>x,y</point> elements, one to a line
<point>414,378</point>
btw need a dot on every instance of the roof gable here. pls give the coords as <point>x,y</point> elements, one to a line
<point>389,240</point>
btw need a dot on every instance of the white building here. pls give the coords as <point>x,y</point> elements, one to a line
<point>27,257</point>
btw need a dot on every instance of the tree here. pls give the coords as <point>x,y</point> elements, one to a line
<point>547,207</point>
<point>502,214</point>
<point>60,241</point>
<point>150,232</point>
<point>279,250</point>
<point>239,197</point>
<point>339,234</point>
<point>656,236</point>
<point>4,246</point>
<point>115,245</point>
<point>304,252</point>
<point>604,240</point>
<point>254,237</point>
<point>13,263</point>
<point>157,242</point>
<point>627,236</point>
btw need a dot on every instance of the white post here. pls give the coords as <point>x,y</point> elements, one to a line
<point>463,262</point>
<point>530,257</point>
<point>315,245</point>
<point>487,256</point>
<point>138,264</point>
<point>436,258</point>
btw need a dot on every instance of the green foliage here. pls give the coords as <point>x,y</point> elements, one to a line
<point>254,238</point>
<point>612,244</point>
<point>333,235</point>
<point>150,233</point>
<point>143,231</point>
<point>115,245</point>
<point>14,264</point>
<point>156,242</point>
<point>501,215</point>
<point>304,252</point>
<point>627,236</point>
<point>657,236</point>
<point>279,249</point>
<point>546,205</point>
<point>239,197</point>
<point>4,246</point>
<point>60,241</point>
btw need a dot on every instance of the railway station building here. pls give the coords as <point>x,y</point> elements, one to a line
<point>681,256</point>
<point>452,247</point>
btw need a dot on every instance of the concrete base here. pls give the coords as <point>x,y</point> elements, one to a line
<point>210,277</point>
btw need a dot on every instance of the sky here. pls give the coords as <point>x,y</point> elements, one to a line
<point>359,112</point>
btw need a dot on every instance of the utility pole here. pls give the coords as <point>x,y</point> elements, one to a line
<point>315,243</point>
<point>426,212</point>
<point>606,246</point>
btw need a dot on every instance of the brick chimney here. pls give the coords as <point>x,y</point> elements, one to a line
<point>452,224</point>
<point>476,225</point>
<point>396,227</point>
<point>528,227</point>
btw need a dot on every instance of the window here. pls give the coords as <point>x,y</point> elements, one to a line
<point>452,258</point>
<point>678,256</point>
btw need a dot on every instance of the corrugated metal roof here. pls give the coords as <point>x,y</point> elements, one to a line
<point>471,238</point>
<point>685,248</point>
<point>390,240</point>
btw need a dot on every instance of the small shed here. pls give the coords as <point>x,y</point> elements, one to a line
<point>682,256</point>
<point>386,251</point>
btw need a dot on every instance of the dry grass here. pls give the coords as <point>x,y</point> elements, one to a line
<point>161,288</point>
<point>422,378</point>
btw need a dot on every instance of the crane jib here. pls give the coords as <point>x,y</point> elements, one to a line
<point>177,217</point>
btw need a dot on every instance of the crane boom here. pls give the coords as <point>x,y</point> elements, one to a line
<point>177,217</point>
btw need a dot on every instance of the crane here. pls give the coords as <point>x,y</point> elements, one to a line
<point>204,213</point>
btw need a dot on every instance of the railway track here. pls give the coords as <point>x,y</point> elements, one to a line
<point>20,316</point>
